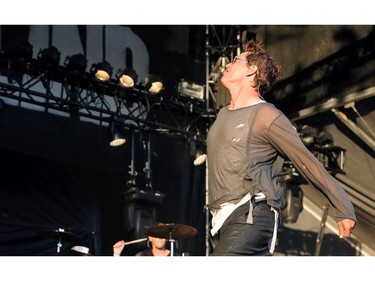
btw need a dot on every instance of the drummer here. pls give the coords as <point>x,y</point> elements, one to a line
<point>156,247</point>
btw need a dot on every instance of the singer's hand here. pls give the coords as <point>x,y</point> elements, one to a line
<point>346,227</point>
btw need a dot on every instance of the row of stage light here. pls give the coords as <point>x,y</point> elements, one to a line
<point>19,60</point>
<point>101,71</point>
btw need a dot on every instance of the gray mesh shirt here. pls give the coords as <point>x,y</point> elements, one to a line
<point>246,149</point>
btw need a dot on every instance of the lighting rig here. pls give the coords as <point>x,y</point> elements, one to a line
<point>95,95</point>
<point>121,102</point>
<point>117,102</point>
<point>320,144</point>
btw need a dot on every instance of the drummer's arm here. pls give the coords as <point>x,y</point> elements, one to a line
<point>118,247</point>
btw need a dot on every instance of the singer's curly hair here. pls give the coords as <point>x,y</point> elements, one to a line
<point>268,69</point>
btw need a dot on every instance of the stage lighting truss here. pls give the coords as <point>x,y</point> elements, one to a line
<point>76,91</point>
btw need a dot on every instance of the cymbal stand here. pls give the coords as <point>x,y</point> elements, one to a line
<point>172,241</point>
<point>59,245</point>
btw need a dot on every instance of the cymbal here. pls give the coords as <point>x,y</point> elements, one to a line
<point>59,235</point>
<point>171,230</point>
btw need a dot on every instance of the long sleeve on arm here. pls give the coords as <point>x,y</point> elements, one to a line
<point>284,137</point>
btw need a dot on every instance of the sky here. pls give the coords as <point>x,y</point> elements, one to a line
<point>189,12</point>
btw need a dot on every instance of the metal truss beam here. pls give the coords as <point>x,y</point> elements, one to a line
<point>221,43</point>
<point>333,103</point>
<point>79,94</point>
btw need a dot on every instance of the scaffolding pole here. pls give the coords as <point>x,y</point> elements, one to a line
<point>215,66</point>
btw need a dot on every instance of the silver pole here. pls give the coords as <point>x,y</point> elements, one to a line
<point>206,183</point>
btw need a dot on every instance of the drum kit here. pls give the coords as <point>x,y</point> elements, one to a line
<point>60,235</point>
<point>169,231</point>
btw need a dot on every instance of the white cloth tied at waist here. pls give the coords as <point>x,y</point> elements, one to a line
<point>220,215</point>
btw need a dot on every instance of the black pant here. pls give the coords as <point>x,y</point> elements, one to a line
<point>238,238</point>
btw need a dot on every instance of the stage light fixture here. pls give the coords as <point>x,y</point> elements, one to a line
<point>102,71</point>
<point>22,52</point>
<point>153,84</point>
<point>77,63</point>
<point>19,56</point>
<point>325,139</point>
<point>116,133</point>
<point>200,158</point>
<point>127,78</point>
<point>197,153</point>
<point>49,56</point>
<point>191,90</point>
<point>307,134</point>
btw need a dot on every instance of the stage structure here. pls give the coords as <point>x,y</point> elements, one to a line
<point>223,43</point>
<point>118,104</point>
<point>69,89</point>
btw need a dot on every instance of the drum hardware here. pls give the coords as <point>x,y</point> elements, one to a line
<point>61,235</point>
<point>171,231</point>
